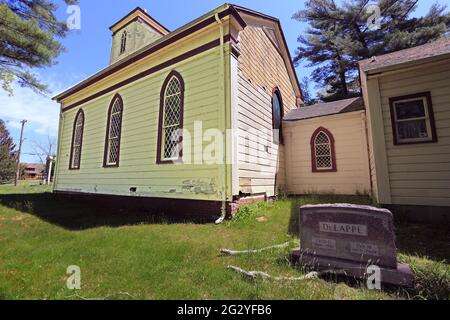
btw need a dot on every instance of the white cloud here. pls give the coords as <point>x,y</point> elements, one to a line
<point>41,111</point>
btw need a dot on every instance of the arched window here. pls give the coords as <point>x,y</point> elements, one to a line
<point>277,116</point>
<point>123,42</point>
<point>171,119</point>
<point>113,132</point>
<point>77,141</point>
<point>323,154</point>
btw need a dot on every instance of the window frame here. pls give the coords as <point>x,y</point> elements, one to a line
<point>108,127</point>
<point>276,91</point>
<point>332,151</point>
<point>162,96</point>
<point>429,118</point>
<point>123,42</point>
<point>71,166</point>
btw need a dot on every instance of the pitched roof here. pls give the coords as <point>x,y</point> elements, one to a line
<point>149,20</point>
<point>397,59</point>
<point>236,11</point>
<point>325,109</point>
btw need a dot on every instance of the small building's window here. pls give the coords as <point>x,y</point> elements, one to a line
<point>123,42</point>
<point>412,119</point>
<point>171,119</point>
<point>277,116</point>
<point>113,133</point>
<point>323,155</point>
<point>77,141</point>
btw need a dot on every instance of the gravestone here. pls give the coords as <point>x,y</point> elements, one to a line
<point>349,238</point>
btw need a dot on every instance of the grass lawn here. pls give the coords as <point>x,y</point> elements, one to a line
<point>154,258</point>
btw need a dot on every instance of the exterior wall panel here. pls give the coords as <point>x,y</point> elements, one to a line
<point>352,161</point>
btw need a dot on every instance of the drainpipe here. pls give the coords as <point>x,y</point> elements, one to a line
<point>224,122</point>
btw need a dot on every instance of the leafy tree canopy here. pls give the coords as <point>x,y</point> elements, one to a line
<point>28,39</point>
<point>7,155</point>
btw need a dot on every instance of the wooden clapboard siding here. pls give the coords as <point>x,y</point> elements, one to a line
<point>261,163</point>
<point>419,174</point>
<point>138,35</point>
<point>137,167</point>
<point>352,175</point>
<point>257,167</point>
<point>262,65</point>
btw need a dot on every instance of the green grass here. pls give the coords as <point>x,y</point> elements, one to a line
<point>153,258</point>
<point>24,187</point>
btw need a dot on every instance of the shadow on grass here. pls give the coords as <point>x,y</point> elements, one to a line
<point>424,239</point>
<point>78,212</point>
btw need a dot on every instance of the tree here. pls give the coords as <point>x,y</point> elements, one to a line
<point>307,95</point>
<point>340,36</point>
<point>7,155</point>
<point>45,150</point>
<point>28,39</point>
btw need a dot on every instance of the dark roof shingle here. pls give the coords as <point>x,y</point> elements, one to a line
<point>325,109</point>
<point>430,50</point>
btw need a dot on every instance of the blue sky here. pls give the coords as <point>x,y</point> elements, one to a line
<point>88,51</point>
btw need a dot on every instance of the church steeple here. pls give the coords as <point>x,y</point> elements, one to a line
<point>136,30</point>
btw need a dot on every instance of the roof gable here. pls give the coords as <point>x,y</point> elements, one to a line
<point>141,15</point>
<point>274,32</point>
<point>240,14</point>
<point>325,109</point>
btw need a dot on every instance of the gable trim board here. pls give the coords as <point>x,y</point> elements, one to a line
<point>154,24</point>
<point>150,71</point>
<point>160,44</point>
<point>287,56</point>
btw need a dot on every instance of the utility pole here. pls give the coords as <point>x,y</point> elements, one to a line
<point>18,153</point>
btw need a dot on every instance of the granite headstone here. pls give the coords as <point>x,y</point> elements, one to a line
<point>349,238</point>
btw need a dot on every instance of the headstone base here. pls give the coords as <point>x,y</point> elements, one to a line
<point>402,276</point>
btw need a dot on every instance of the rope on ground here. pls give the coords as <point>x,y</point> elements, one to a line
<point>104,298</point>
<point>228,252</point>
<point>258,274</point>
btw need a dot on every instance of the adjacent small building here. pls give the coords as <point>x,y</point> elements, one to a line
<point>326,149</point>
<point>407,95</point>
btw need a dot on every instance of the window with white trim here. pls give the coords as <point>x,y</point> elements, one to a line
<point>412,119</point>
<point>171,122</point>
<point>77,140</point>
<point>114,132</point>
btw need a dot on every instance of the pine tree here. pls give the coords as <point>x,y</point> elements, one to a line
<point>7,155</point>
<point>339,36</point>
<point>308,98</point>
<point>28,39</point>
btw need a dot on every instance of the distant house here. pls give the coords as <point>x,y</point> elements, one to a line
<point>407,95</point>
<point>34,171</point>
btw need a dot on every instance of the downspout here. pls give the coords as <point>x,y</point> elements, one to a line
<point>58,151</point>
<point>222,74</point>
